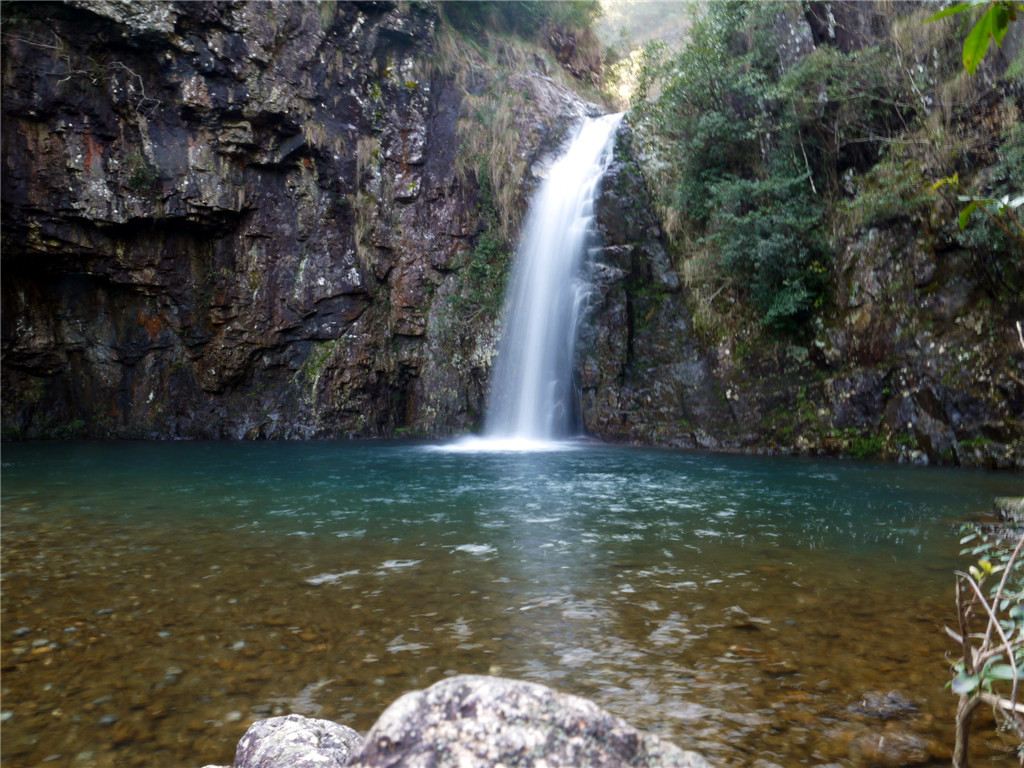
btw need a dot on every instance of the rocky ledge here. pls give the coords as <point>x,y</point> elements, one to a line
<point>465,721</point>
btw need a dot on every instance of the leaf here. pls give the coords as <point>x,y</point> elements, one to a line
<point>999,672</point>
<point>965,214</point>
<point>963,684</point>
<point>1017,612</point>
<point>1000,23</point>
<point>976,43</point>
<point>958,8</point>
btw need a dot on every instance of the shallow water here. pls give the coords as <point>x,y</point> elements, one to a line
<point>159,597</point>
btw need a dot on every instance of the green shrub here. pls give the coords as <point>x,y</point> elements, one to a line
<point>770,241</point>
<point>142,177</point>
<point>486,266</point>
<point>747,151</point>
<point>892,190</point>
<point>997,254</point>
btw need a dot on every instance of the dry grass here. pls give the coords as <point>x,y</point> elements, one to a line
<point>367,154</point>
<point>362,203</point>
<point>494,106</point>
<point>489,129</point>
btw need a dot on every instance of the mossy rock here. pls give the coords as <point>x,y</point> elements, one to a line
<point>1010,509</point>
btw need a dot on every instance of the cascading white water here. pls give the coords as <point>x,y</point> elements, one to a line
<point>532,392</point>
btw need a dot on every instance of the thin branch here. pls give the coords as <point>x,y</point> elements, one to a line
<point>1000,703</point>
<point>994,622</point>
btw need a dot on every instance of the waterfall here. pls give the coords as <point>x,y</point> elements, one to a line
<point>533,397</point>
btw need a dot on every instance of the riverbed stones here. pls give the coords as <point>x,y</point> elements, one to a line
<point>478,720</point>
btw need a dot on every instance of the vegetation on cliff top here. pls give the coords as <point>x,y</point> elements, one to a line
<point>761,153</point>
<point>483,48</point>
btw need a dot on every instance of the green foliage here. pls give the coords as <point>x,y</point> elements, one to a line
<point>750,152</point>
<point>867,446</point>
<point>768,235</point>
<point>745,150</point>
<point>845,107</point>
<point>142,177</point>
<point>893,189</point>
<point>990,632</point>
<point>486,266</point>
<point>990,226</point>
<point>993,24</point>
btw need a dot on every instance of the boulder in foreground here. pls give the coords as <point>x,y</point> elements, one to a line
<point>467,721</point>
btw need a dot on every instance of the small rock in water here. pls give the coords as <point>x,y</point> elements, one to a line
<point>775,665</point>
<point>891,749</point>
<point>22,631</point>
<point>889,705</point>
<point>296,742</point>
<point>740,619</point>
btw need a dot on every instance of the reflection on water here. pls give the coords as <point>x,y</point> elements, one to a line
<point>157,598</point>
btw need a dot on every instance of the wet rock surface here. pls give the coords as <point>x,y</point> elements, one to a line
<point>642,372</point>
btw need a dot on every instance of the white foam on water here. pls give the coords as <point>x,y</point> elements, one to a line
<point>476,549</point>
<point>504,445</point>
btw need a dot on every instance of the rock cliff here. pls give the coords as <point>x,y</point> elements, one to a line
<point>252,219</point>
<point>292,220</point>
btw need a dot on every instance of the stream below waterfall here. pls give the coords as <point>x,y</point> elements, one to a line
<point>159,597</point>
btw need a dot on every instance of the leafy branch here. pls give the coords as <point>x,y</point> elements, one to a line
<point>991,25</point>
<point>991,664</point>
<point>1001,212</point>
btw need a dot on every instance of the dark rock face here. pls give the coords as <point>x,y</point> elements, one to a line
<point>844,26</point>
<point>642,373</point>
<point>237,220</point>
